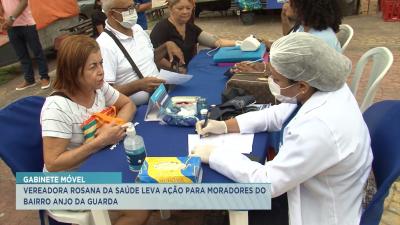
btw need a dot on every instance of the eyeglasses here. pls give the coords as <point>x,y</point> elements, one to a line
<point>130,9</point>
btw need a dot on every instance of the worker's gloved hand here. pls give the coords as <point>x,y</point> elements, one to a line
<point>213,127</point>
<point>203,151</point>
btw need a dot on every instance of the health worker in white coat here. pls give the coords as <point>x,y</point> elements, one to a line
<point>325,155</point>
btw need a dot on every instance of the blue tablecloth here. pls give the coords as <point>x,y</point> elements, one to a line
<point>162,140</point>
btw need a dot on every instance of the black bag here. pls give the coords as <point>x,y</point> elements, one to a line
<point>230,93</point>
<point>231,108</point>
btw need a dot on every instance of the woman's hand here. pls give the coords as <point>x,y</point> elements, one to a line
<point>174,50</point>
<point>182,70</point>
<point>203,151</point>
<point>284,12</point>
<point>213,127</point>
<point>110,134</point>
<point>248,67</point>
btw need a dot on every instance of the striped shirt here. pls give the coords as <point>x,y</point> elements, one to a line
<point>62,118</point>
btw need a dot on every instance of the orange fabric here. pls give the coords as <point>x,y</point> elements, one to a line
<point>46,12</point>
<point>107,116</point>
<point>95,121</point>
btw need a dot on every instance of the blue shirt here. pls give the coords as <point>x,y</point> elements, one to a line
<point>142,21</point>
<point>328,35</point>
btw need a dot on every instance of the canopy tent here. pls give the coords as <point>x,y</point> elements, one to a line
<point>46,12</point>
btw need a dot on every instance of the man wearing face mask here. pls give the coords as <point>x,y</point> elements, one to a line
<point>320,164</point>
<point>118,70</point>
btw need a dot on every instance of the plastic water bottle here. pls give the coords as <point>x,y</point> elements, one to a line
<point>134,149</point>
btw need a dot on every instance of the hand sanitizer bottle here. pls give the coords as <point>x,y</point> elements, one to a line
<point>134,149</point>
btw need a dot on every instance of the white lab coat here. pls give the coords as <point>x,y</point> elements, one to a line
<point>323,163</point>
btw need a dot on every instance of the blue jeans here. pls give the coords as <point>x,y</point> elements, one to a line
<point>22,37</point>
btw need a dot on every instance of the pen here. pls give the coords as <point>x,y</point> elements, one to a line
<point>206,120</point>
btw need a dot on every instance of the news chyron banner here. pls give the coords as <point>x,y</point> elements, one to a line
<point>80,191</point>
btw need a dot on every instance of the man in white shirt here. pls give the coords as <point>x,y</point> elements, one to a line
<point>121,21</point>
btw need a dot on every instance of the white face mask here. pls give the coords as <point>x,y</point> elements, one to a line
<point>129,18</point>
<point>276,91</point>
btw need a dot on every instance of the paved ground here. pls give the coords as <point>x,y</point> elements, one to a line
<point>370,31</point>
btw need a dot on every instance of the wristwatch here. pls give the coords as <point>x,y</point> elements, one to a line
<point>12,18</point>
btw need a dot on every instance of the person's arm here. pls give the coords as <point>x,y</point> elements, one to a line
<point>125,107</point>
<point>1,10</point>
<point>224,43</point>
<point>58,158</point>
<point>250,67</point>
<point>57,132</point>
<point>147,84</point>
<point>20,8</point>
<point>210,40</point>
<point>2,20</point>
<point>164,64</point>
<point>143,7</point>
<point>17,12</point>
<point>168,50</point>
<point>232,125</point>
<point>306,152</point>
<point>285,22</point>
<point>270,119</point>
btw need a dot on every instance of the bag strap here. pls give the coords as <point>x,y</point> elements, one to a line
<point>126,54</point>
<point>294,28</point>
<point>60,93</point>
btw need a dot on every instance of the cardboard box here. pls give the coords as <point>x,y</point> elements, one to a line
<point>171,170</point>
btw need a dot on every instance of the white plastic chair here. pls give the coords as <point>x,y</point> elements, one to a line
<point>382,59</point>
<point>345,35</point>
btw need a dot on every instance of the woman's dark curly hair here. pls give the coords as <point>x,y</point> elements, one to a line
<point>318,14</point>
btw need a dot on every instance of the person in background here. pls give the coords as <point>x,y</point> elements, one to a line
<point>98,19</point>
<point>320,164</point>
<point>80,91</point>
<point>121,22</point>
<point>318,17</point>
<point>16,18</point>
<point>141,7</point>
<point>185,34</point>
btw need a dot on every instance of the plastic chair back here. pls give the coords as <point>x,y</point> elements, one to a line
<point>382,60</point>
<point>21,138</point>
<point>21,135</point>
<point>345,35</point>
<point>383,122</point>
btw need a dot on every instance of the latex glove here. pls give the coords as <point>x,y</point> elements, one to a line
<point>213,127</point>
<point>203,151</point>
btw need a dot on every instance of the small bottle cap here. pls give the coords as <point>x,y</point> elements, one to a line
<point>203,111</point>
<point>131,131</point>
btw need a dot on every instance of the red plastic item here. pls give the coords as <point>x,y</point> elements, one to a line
<point>391,10</point>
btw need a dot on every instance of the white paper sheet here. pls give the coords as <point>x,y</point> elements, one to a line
<point>174,78</point>
<point>241,143</point>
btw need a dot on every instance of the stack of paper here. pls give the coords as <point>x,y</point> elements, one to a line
<point>241,143</point>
